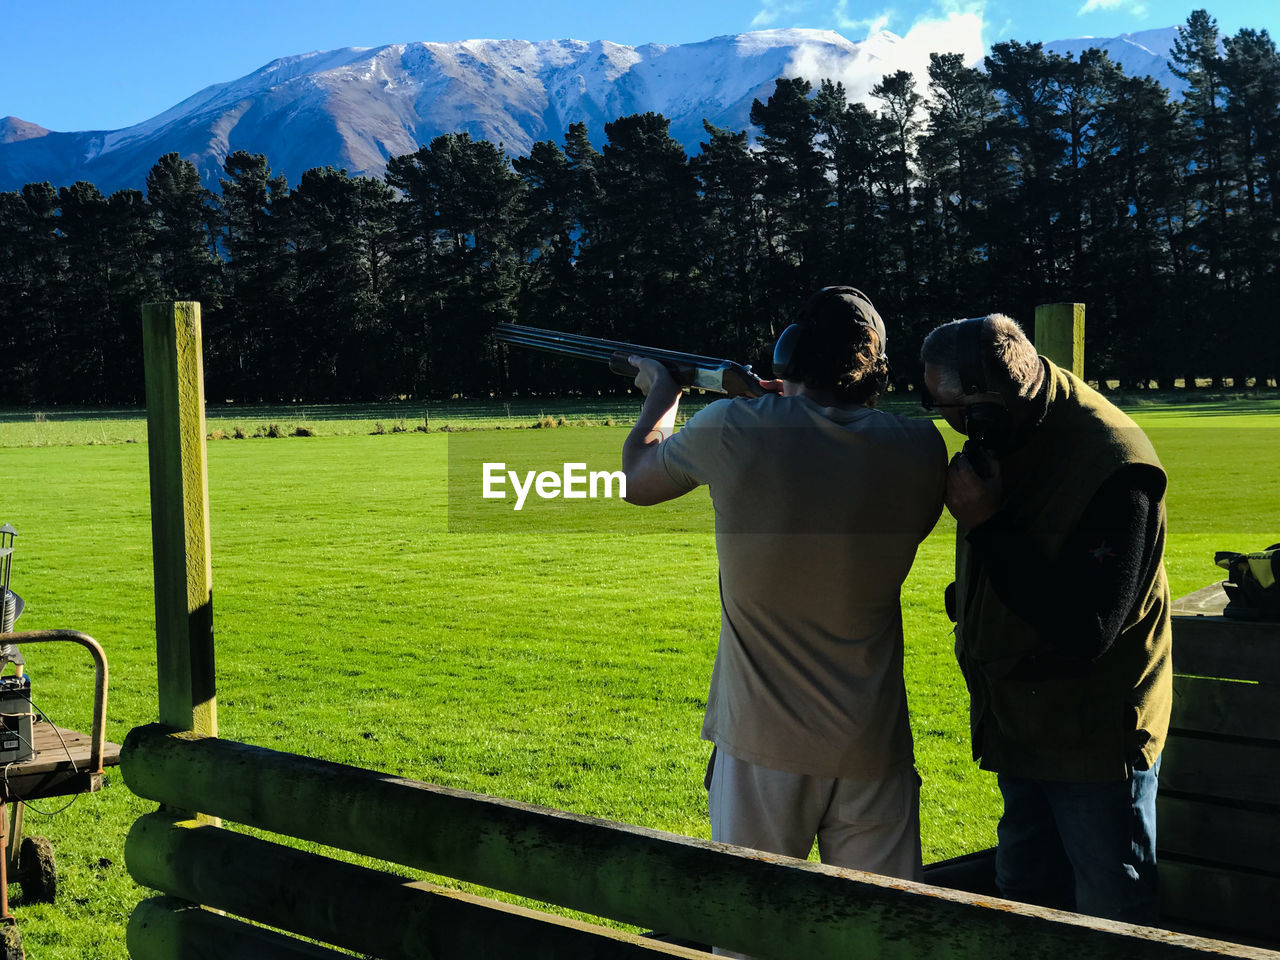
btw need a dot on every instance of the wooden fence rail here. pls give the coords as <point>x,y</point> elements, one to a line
<point>765,905</point>
<point>398,919</point>
<point>165,928</point>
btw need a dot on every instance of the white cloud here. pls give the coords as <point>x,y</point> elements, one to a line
<point>1137,8</point>
<point>771,11</point>
<point>955,28</point>
<point>1006,29</point>
<point>870,25</point>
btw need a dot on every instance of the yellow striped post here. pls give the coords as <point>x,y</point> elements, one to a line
<point>180,516</point>
<point>1060,335</point>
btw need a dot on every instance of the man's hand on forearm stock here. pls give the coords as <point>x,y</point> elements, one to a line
<point>652,374</point>
<point>657,418</point>
<point>647,482</point>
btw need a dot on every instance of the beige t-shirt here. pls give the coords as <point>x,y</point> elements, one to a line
<point>818,514</point>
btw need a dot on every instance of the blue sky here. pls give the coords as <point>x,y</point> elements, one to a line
<point>81,65</point>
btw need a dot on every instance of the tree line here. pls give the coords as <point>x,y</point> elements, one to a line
<point>1039,178</point>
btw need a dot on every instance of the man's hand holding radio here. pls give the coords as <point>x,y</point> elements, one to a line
<point>971,499</point>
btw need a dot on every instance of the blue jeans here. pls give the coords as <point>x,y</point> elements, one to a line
<point>1086,847</point>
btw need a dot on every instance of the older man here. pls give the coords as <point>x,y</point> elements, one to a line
<point>820,503</point>
<point>1062,616</point>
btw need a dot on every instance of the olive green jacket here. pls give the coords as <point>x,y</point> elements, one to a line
<point>1087,727</point>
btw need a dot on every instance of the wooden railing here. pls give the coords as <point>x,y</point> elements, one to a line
<point>770,907</point>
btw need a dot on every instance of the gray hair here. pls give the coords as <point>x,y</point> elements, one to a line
<point>1009,359</point>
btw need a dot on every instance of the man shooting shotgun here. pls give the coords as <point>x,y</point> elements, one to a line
<point>820,501</point>
<point>686,369</point>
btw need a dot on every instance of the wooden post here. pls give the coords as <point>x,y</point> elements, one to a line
<point>1060,335</point>
<point>180,516</point>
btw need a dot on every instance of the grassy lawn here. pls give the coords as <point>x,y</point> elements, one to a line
<point>365,614</point>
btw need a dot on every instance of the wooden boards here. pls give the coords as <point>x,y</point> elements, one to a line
<point>1218,810</point>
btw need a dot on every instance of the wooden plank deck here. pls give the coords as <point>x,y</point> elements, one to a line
<point>59,768</point>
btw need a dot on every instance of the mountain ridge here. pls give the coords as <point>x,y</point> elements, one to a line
<point>355,107</point>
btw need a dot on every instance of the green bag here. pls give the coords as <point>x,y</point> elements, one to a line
<point>1253,583</point>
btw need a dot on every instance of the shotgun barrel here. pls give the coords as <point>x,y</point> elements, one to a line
<point>689,369</point>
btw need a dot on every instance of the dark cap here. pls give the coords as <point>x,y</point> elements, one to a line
<point>832,306</point>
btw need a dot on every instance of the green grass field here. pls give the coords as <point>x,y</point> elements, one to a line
<point>361,617</point>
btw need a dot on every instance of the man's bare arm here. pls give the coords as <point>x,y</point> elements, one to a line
<point>647,480</point>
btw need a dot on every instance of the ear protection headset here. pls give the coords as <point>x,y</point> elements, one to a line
<point>791,352</point>
<point>786,351</point>
<point>988,425</point>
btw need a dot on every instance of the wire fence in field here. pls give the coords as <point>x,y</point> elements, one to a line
<point>58,426</point>
<point>66,426</point>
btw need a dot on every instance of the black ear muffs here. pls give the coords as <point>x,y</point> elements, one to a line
<point>791,353</point>
<point>988,425</point>
<point>969,366</point>
<point>785,352</point>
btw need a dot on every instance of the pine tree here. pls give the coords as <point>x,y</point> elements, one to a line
<point>1025,80</point>
<point>796,192</point>
<point>552,221</point>
<point>1080,86</point>
<point>730,227</point>
<point>858,250</point>
<point>337,225</point>
<point>185,234</point>
<point>1137,258</point>
<point>85,303</point>
<point>256,330</point>
<point>131,282</point>
<point>643,248</point>
<point>830,110</point>
<point>461,220</point>
<point>32,274</point>
<point>964,165</point>
<point>1251,81</point>
<point>900,115</point>
<point>1198,60</point>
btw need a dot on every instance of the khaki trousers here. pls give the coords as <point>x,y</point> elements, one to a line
<point>871,825</point>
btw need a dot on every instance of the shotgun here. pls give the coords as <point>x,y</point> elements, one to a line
<point>688,369</point>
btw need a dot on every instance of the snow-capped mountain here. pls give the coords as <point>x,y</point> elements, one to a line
<point>356,107</point>
<point>1145,53</point>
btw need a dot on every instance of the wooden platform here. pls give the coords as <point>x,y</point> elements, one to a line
<point>1218,812</point>
<point>59,768</point>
